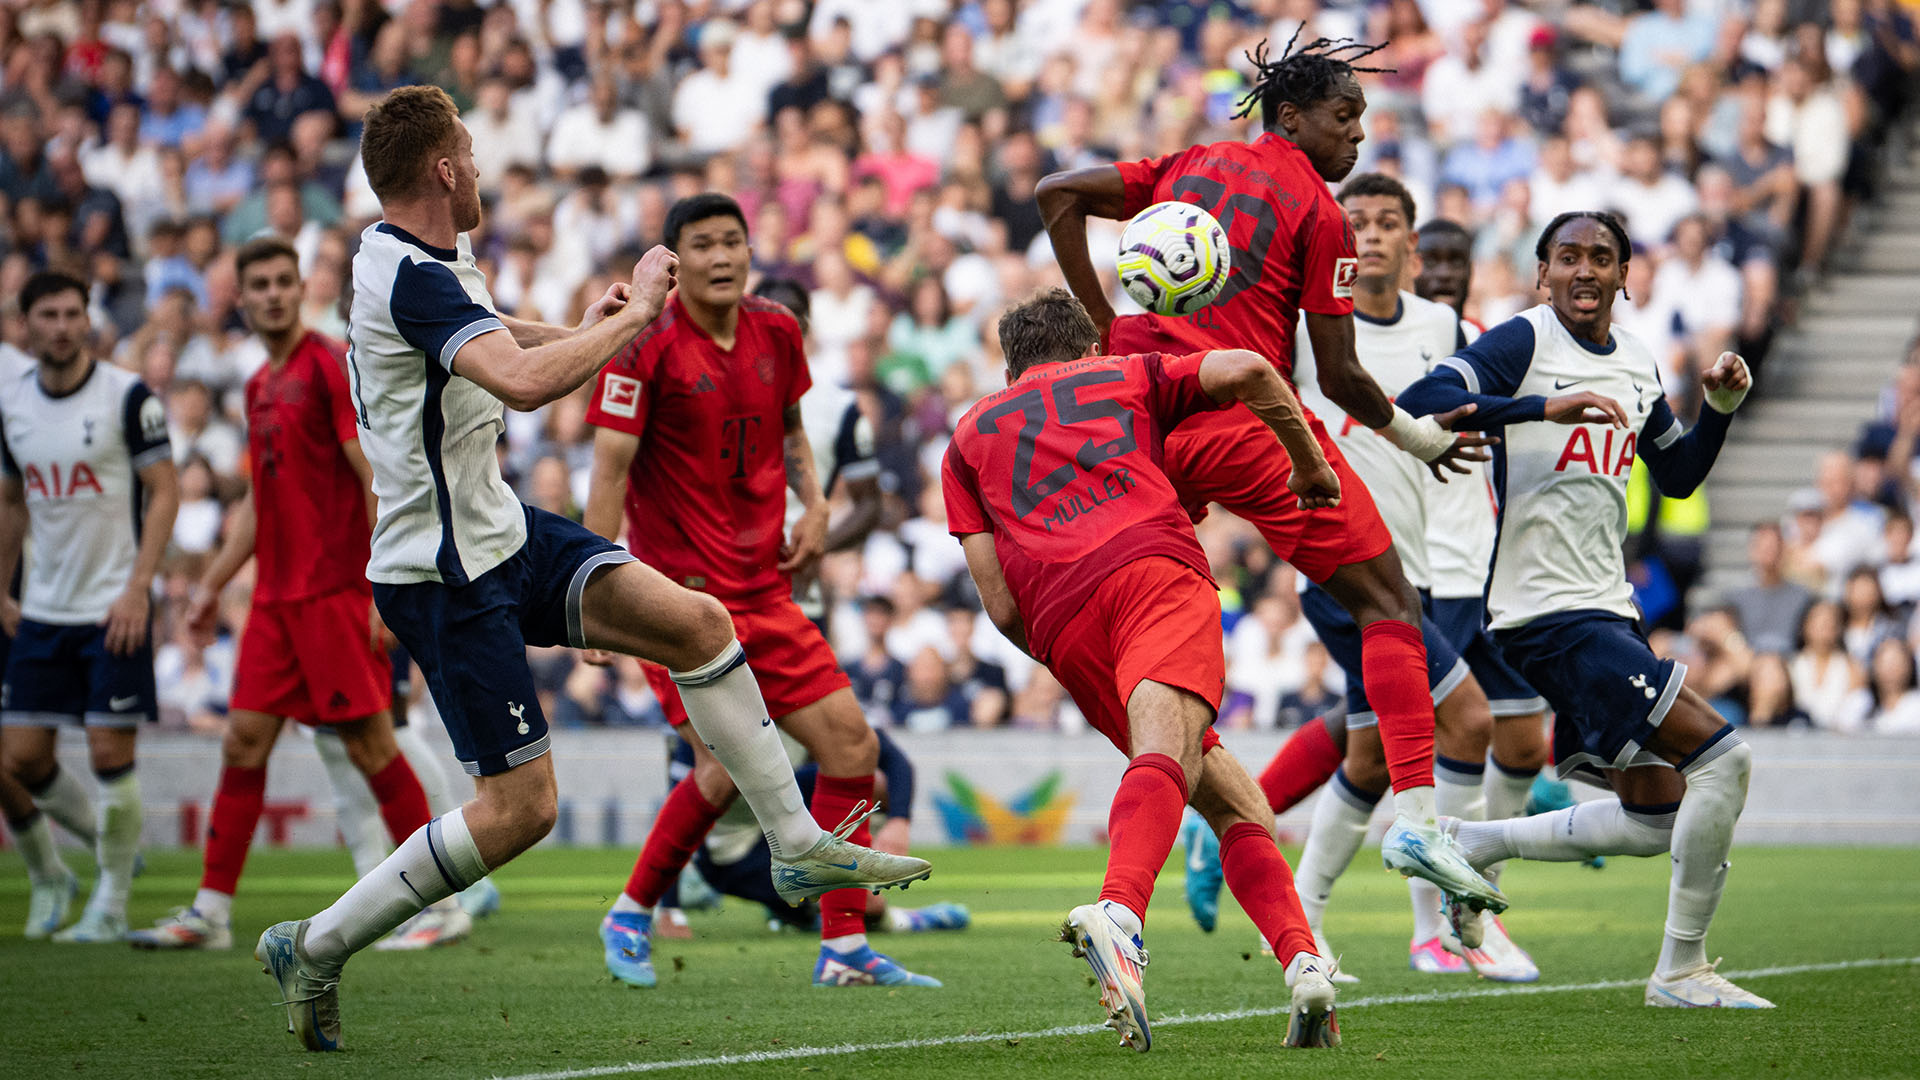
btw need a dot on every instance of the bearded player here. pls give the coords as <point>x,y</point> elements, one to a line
<point>699,437</point>
<point>1292,253</point>
<point>1562,610</point>
<point>314,649</point>
<point>1086,560</point>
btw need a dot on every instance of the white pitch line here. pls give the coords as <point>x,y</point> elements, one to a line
<point>757,1057</point>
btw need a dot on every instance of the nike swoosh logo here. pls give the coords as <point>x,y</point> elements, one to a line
<point>410,888</point>
<point>1562,385</point>
<point>845,866</point>
<point>768,722</point>
<point>122,704</point>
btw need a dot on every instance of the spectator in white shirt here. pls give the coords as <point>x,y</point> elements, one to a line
<point>504,134</point>
<point>717,107</point>
<point>1461,85</point>
<point>1559,185</point>
<point>1805,115</point>
<point>1824,676</point>
<point>599,132</point>
<point>1651,199</point>
<point>1702,290</point>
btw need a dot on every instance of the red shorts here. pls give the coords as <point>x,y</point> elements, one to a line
<point>787,654</point>
<point>1151,619</point>
<point>1231,458</point>
<point>310,660</point>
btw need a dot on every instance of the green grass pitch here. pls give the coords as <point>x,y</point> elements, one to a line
<point>527,995</point>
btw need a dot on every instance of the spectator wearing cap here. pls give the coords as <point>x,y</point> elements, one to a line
<point>1546,93</point>
<point>716,107</point>
<point>599,131</point>
<point>1771,608</point>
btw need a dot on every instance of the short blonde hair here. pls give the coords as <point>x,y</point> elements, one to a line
<point>410,128</point>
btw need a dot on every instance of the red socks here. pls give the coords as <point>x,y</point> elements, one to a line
<point>403,802</point>
<point>684,821</point>
<point>843,911</point>
<point>1305,761</point>
<point>236,810</point>
<point>1393,661</point>
<point>1141,829</point>
<point>1262,882</point>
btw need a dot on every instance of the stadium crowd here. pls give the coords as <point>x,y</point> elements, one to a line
<point>886,154</point>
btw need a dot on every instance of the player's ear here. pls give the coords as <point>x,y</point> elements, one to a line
<point>1007,374</point>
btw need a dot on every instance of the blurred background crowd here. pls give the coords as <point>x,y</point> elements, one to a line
<point>886,153</point>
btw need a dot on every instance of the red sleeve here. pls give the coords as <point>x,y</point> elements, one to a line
<point>1328,264</point>
<point>799,377</point>
<point>960,484</point>
<point>1173,388</point>
<point>333,372</point>
<point>1140,178</point>
<point>619,393</point>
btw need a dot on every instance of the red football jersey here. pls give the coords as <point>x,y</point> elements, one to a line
<point>706,495</point>
<point>311,534</point>
<point>1292,247</point>
<point>1064,469</point>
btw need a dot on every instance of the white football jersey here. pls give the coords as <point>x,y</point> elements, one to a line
<point>1563,488</point>
<point>78,457</point>
<point>1461,523</point>
<point>446,514</point>
<point>1396,353</point>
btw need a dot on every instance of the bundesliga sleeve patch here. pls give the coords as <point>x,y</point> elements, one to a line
<point>1344,271</point>
<point>620,396</point>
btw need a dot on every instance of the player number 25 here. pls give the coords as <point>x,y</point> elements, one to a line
<point>1070,410</point>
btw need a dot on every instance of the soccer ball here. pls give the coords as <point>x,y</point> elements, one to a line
<point>1174,258</point>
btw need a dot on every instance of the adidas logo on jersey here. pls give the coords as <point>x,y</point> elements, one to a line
<point>338,700</point>
<point>704,385</point>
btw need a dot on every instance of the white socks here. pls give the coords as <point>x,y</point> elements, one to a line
<point>214,906</point>
<point>1702,837</point>
<point>1457,792</point>
<point>1417,804</point>
<point>845,943</point>
<point>1507,791</point>
<point>627,905</point>
<point>724,705</point>
<point>1581,831</point>
<point>116,840</point>
<point>434,863</point>
<point>356,813</point>
<point>63,798</point>
<point>1339,828</point>
<point>35,840</point>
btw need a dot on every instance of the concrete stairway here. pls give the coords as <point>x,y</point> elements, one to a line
<point>1824,377</point>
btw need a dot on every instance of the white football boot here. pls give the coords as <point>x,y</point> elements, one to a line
<point>1311,1021</point>
<point>1700,988</point>
<point>1116,957</point>
<point>49,906</point>
<point>184,929</point>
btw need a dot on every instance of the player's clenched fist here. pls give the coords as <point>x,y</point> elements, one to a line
<point>653,278</point>
<point>1315,483</point>
<point>1727,383</point>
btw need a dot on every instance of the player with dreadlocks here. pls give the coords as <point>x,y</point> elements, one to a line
<point>1293,255</point>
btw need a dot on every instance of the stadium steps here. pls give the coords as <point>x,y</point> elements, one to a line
<point>1824,377</point>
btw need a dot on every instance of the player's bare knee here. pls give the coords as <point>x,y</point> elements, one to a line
<point>709,631</point>
<point>243,747</point>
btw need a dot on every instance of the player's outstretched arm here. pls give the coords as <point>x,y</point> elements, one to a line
<point>526,379</point>
<point>1247,377</point>
<point>1680,462</point>
<point>983,562</point>
<point>1065,200</point>
<point>13,533</point>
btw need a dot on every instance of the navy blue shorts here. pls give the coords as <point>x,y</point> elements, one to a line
<point>471,640</point>
<point>1608,691</point>
<point>65,673</point>
<point>1463,621</point>
<point>1338,632</point>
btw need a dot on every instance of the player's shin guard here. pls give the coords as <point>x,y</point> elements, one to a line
<point>1393,662</point>
<point>1581,831</point>
<point>1259,878</point>
<point>1339,828</point>
<point>438,860</point>
<point>843,912</point>
<point>1457,792</point>
<point>403,803</point>
<point>230,825</point>
<point>1702,837</point>
<point>62,797</point>
<point>728,714</point>
<point>35,839</point>
<point>685,819</point>
<point>1142,825</point>
<point>1305,761</point>
<point>356,814</point>
<point>116,838</point>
